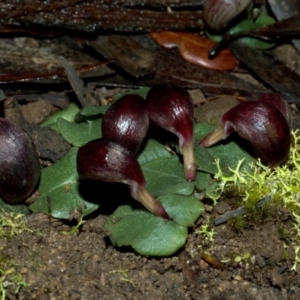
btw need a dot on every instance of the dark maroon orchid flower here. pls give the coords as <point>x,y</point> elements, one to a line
<point>108,161</point>
<point>264,123</point>
<point>19,163</point>
<point>171,107</point>
<point>126,122</point>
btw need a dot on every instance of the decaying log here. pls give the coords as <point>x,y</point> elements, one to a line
<point>92,15</point>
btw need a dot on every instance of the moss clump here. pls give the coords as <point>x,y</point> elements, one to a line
<point>280,185</point>
<point>9,277</point>
<point>207,232</point>
<point>11,224</point>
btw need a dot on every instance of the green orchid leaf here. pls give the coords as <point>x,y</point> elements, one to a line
<point>206,185</point>
<point>228,152</point>
<point>205,160</point>
<point>145,233</point>
<point>164,171</point>
<point>68,114</point>
<point>212,190</point>
<point>245,26</point>
<point>143,91</point>
<point>202,181</point>
<point>264,20</point>
<point>152,235</point>
<point>183,210</point>
<point>15,208</point>
<point>165,175</point>
<point>59,190</point>
<point>78,134</point>
<point>153,150</point>
<point>213,36</point>
<point>248,25</point>
<point>93,111</point>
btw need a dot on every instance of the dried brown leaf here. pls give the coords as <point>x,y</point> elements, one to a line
<point>195,49</point>
<point>213,261</point>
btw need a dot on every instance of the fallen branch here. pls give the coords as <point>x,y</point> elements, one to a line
<point>91,15</point>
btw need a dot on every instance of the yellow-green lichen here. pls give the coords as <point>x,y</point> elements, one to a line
<point>281,185</point>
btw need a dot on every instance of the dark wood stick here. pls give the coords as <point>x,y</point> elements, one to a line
<point>92,15</point>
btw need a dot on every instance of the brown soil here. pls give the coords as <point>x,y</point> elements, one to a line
<point>56,264</point>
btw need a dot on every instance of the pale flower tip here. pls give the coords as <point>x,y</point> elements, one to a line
<point>189,162</point>
<point>151,203</point>
<point>190,173</point>
<point>212,138</point>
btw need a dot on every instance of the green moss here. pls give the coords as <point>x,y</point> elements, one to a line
<point>238,223</point>
<point>12,224</point>
<point>280,186</point>
<point>285,234</point>
<point>124,276</point>
<point>76,229</point>
<point>9,277</point>
<point>207,232</point>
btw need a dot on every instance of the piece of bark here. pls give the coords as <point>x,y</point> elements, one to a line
<point>273,72</point>
<point>76,83</point>
<point>171,68</point>
<point>127,52</point>
<point>28,59</point>
<point>57,99</point>
<point>284,10</point>
<point>93,15</point>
